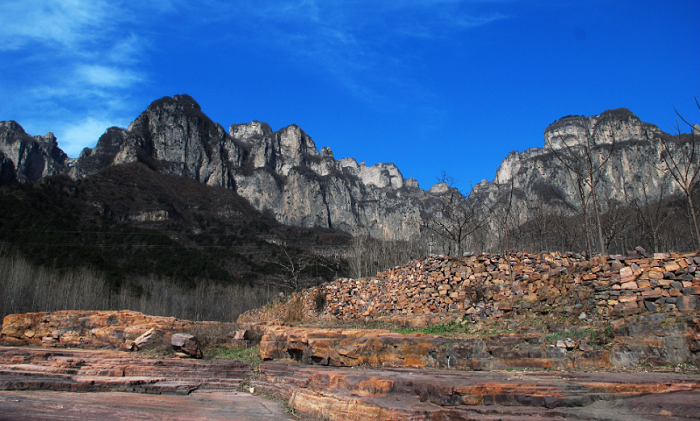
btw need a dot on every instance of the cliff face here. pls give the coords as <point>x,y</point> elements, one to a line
<point>28,158</point>
<point>281,173</point>
<point>172,136</point>
<point>634,147</point>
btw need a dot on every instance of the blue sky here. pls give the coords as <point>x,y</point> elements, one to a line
<point>429,85</point>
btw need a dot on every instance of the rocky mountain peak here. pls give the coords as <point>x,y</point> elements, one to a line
<point>280,172</point>
<point>611,126</point>
<point>108,146</point>
<point>248,132</point>
<point>33,157</point>
<point>439,188</point>
<point>10,130</point>
<point>182,102</point>
<point>541,177</point>
<point>293,141</point>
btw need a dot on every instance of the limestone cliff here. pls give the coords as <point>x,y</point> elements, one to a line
<point>540,174</point>
<point>281,173</point>
<point>28,158</point>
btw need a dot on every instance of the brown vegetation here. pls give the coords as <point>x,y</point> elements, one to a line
<point>28,288</point>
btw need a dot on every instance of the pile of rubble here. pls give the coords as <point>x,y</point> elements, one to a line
<point>486,286</point>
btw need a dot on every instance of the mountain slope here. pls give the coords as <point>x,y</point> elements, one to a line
<point>129,221</point>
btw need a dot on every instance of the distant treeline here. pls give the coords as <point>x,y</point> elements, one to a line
<point>25,287</point>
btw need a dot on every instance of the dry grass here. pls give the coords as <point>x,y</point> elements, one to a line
<point>213,335</point>
<point>28,288</point>
<point>294,310</point>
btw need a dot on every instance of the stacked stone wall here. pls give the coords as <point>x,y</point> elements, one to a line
<point>487,286</point>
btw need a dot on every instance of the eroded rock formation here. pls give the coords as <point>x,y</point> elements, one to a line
<point>540,175</point>
<point>29,158</point>
<point>402,394</point>
<point>653,339</point>
<point>281,173</point>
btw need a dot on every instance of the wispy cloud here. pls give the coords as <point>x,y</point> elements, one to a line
<point>78,134</point>
<point>107,76</point>
<point>65,23</point>
<point>74,64</point>
<point>81,61</point>
<point>356,41</point>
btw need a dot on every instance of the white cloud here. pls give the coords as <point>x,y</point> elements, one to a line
<point>359,42</point>
<point>107,76</point>
<point>66,23</point>
<point>127,50</point>
<point>75,136</point>
<point>80,64</point>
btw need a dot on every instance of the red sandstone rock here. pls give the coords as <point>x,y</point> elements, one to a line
<point>145,339</point>
<point>208,405</point>
<point>89,370</point>
<point>399,394</point>
<point>91,329</point>
<point>186,345</point>
<point>240,335</point>
<point>649,339</point>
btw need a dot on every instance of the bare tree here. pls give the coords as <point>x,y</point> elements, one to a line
<point>581,208</point>
<point>367,256</point>
<point>500,213</point>
<point>455,218</point>
<point>586,161</point>
<point>681,159</point>
<point>615,222</point>
<point>294,262</point>
<point>539,221</point>
<point>651,212</point>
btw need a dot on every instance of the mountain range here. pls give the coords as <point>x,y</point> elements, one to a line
<point>286,178</point>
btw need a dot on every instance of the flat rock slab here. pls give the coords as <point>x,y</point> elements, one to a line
<point>214,405</point>
<point>113,371</point>
<point>429,394</point>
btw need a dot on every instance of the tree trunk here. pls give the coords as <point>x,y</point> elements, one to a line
<point>695,218</point>
<point>597,217</point>
<point>587,227</point>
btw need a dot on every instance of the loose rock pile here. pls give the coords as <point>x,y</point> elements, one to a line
<point>493,286</point>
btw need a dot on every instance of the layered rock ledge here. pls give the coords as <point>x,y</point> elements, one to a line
<point>93,329</point>
<point>403,394</point>
<point>324,372</point>
<point>655,340</point>
<point>40,384</point>
<point>75,370</point>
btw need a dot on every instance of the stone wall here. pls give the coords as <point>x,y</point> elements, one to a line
<point>484,286</point>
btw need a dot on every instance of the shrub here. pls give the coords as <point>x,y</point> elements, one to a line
<point>319,300</point>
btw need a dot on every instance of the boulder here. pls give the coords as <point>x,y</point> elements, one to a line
<point>240,335</point>
<point>144,340</point>
<point>186,345</point>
